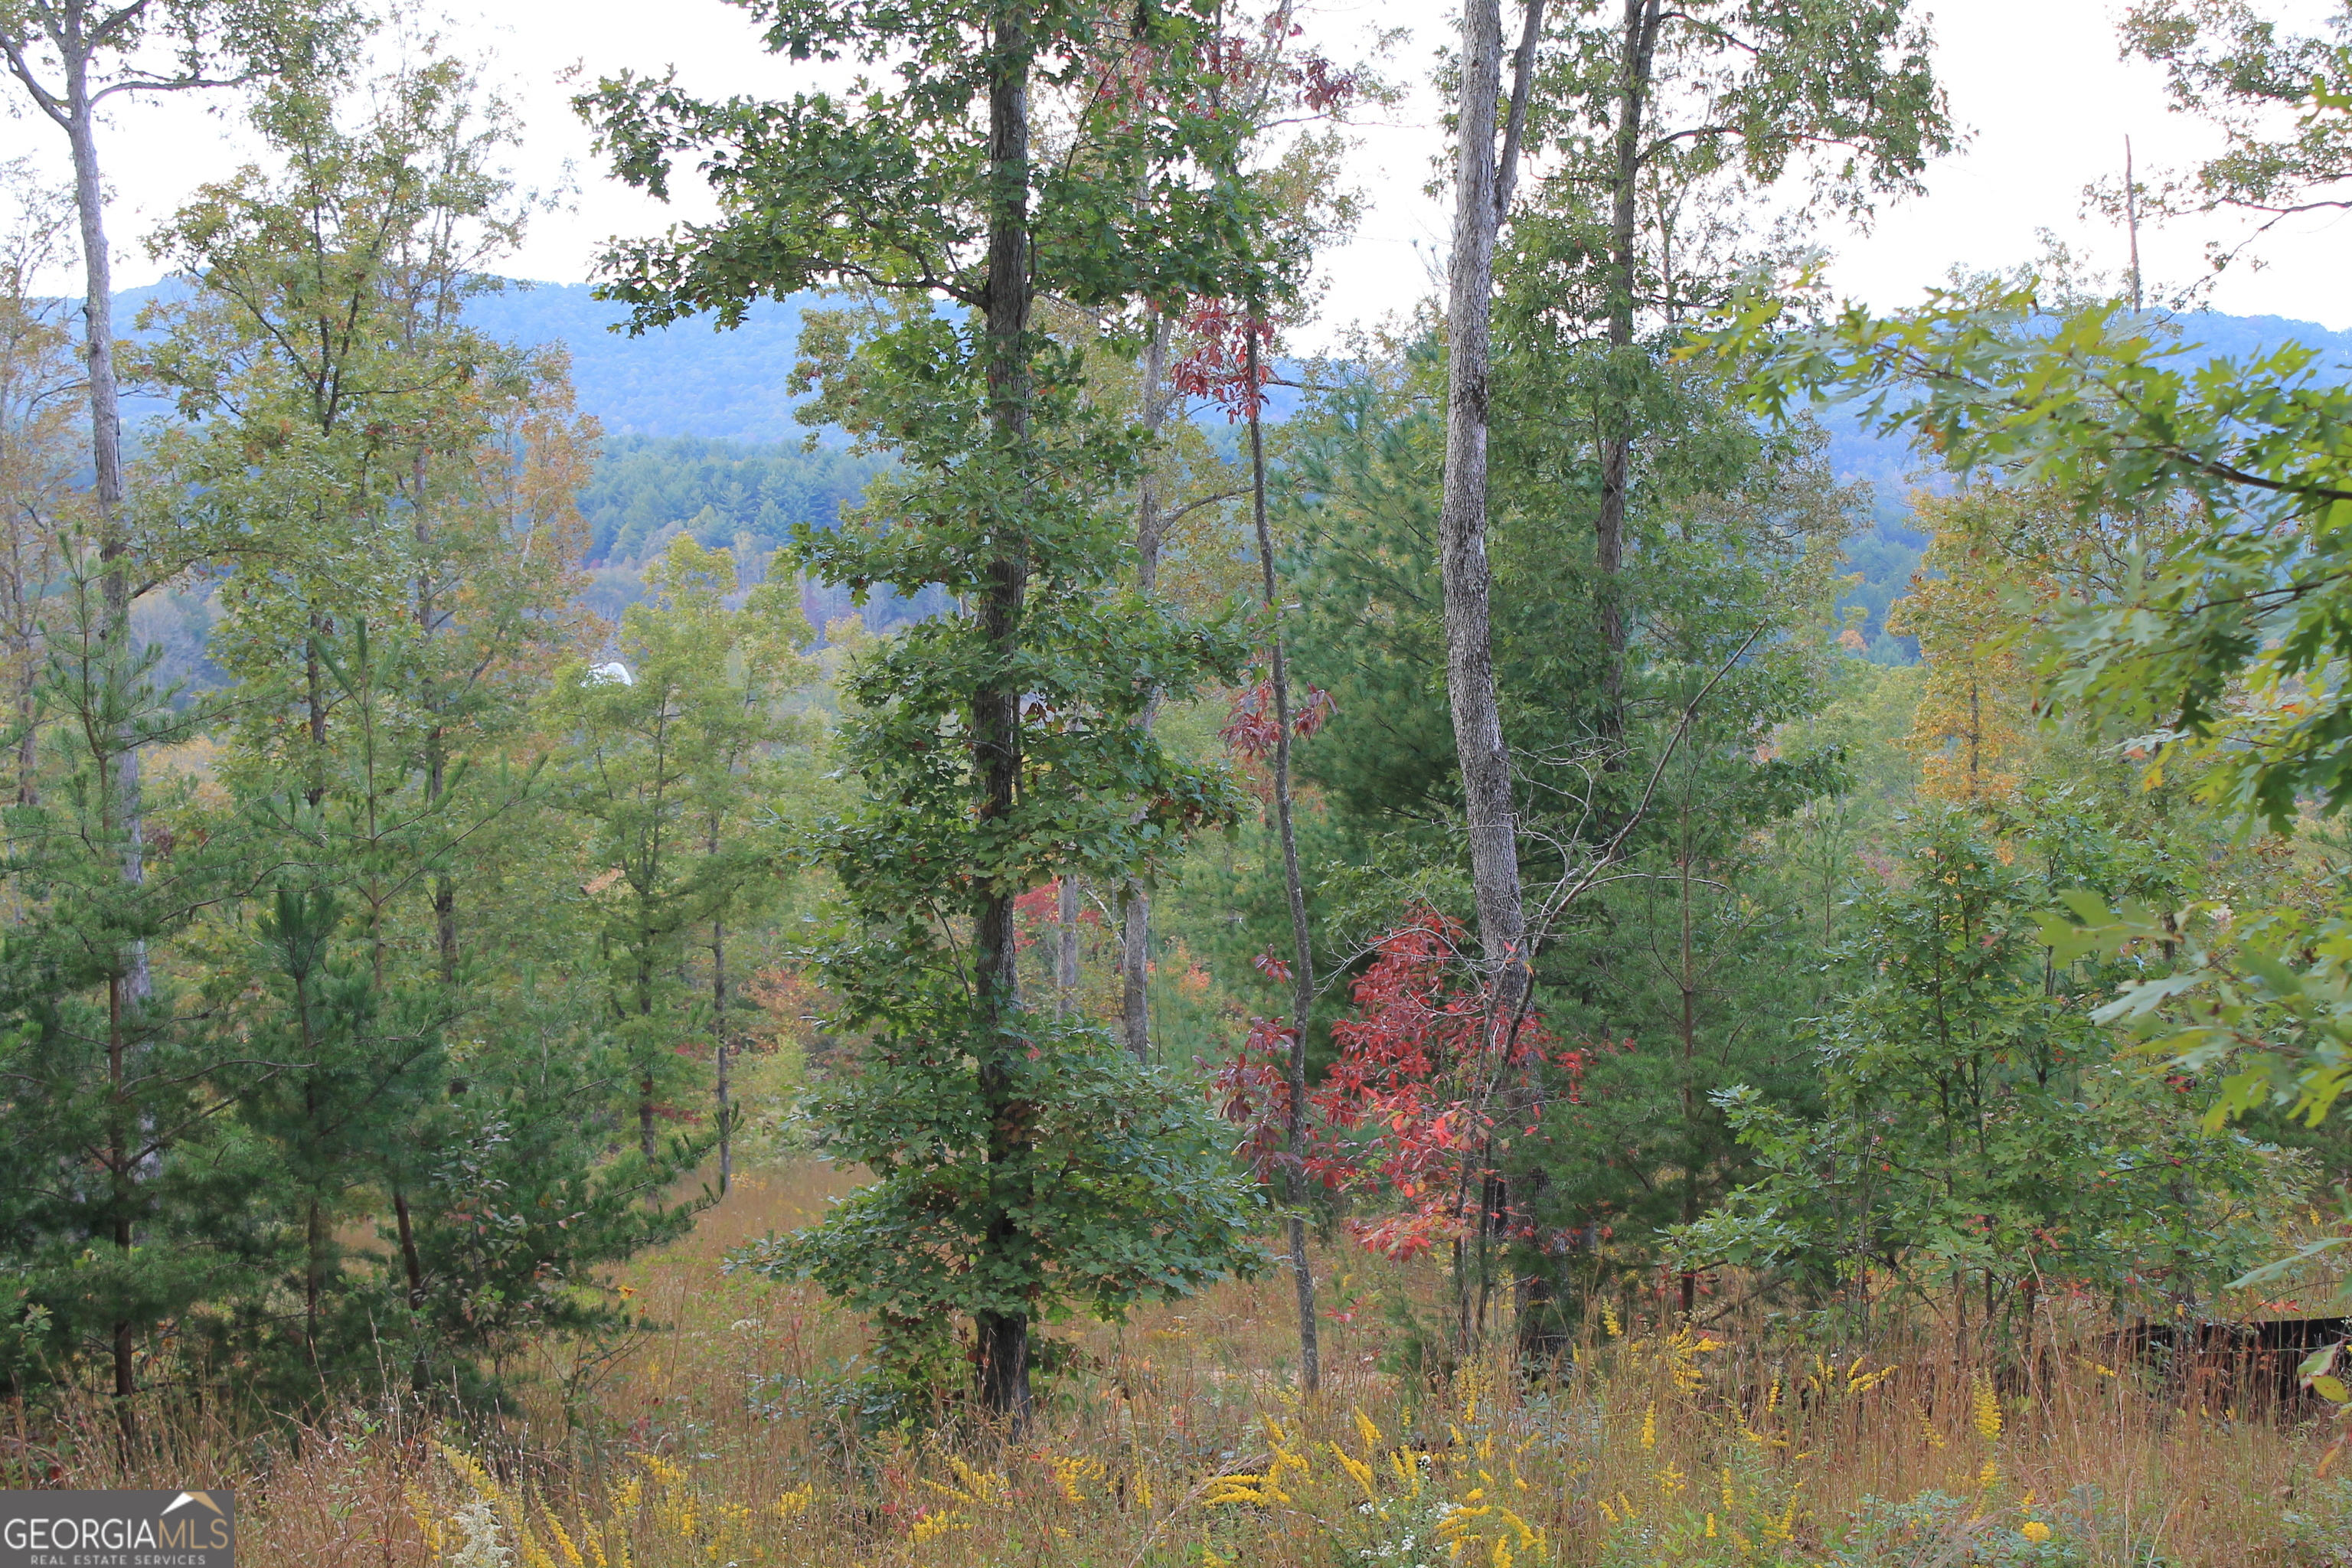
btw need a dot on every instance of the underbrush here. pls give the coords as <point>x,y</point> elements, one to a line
<point>742,1426</point>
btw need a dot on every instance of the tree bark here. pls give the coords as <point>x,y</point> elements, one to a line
<point>1302,973</point>
<point>1639,51</point>
<point>719,1035</point>
<point>645,1142</point>
<point>79,119</point>
<point>1135,911</point>
<point>444,890</point>
<point>1004,1335</point>
<point>1482,186</point>
<point>409,1262</point>
<point>1462,527</point>
<point>1687,983</point>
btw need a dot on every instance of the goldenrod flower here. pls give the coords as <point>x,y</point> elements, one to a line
<point>1988,1413</point>
<point>935,1525</point>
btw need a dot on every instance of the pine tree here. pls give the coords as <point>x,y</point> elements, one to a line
<point>120,1208</point>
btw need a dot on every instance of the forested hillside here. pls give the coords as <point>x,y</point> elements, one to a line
<point>735,388</point>
<point>700,438</point>
<point>949,907</point>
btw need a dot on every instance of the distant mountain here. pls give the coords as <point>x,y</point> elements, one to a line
<point>689,378</point>
<point>692,380</point>
<point>702,437</point>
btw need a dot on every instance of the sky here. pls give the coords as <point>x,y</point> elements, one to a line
<point>2036,84</point>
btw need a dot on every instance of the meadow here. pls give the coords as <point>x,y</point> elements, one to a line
<point>728,1429</point>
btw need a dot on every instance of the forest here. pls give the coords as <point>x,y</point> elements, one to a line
<point>1043,914</point>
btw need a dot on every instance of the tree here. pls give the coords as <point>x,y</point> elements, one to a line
<point>1656,119</point>
<point>998,746</point>
<point>1263,83</point>
<point>70,57</point>
<point>2227,64</point>
<point>389,499</point>
<point>1690,972</point>
<point>1418,1106</point>
<point>351,449</point>
<point>1264,724</point>
<point>372,1068</point>
<point>1970,730</point>
<point>1734,558</point>
<point>2223,491</point>
<point>112,1227</point>
<point>1631,124</point>
<point>668,753</point>
<point>1981,1135</point>
<point>1483,183</point>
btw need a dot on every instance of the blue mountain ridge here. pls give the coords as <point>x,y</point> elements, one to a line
<point>700,434</point>
<point>692,379</point>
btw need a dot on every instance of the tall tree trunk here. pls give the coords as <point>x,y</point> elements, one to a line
<point>120,1176</point>
<point>1302,972</point>
<point>1003,1336</point>
<point>314,1277</point>
<point>80,123</point>
<point>1482,182</point>
<point>28,736</point>
<point>128,989</point>
<point>315,697</point>
<point>1687,982</point>
<point>1135,906</point>
<point>718,1033</point>
<point>1638,51</point>
<point>409,1262</point>
<point>444,889</point>
<point>645,1144</point>
<point>1468,577</point>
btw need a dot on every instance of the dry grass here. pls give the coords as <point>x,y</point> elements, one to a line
<point>1179,1439</point>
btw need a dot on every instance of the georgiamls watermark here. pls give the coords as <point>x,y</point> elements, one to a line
<point>118,1529</point>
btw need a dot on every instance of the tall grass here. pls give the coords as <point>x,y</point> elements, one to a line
<point>732,1430</point>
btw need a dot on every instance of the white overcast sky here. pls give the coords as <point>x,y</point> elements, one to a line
<point>2036,83</point>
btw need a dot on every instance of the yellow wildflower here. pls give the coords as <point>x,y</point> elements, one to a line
<point>1072,1472</point>
<point>564,1543</point>
<point>2033,1530</point>
<point>937,1524</point>
<point>1988,1412</point>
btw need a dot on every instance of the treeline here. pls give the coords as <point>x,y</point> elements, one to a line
<point>647,490</point>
